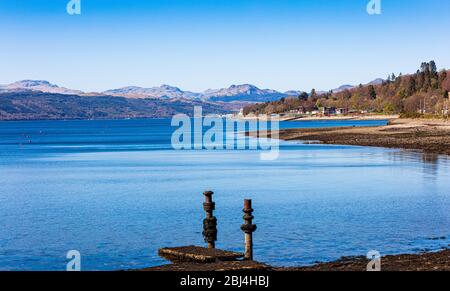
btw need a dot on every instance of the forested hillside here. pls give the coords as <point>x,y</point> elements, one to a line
<point>424,92</point>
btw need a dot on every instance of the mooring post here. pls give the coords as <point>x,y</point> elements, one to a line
<point>248,228</point>
<point>210,222</point>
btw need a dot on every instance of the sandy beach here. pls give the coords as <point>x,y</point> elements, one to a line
<point>429,136</point>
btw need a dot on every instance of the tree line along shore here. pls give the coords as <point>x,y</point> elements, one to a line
<point>422,94</point>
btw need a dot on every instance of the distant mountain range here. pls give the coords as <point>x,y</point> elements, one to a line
<point>343,88</point>
<point>162,92</point>
<point>34,99</point>
<point>378,81</point>
<point>246,92</point>
<point>235,93</point>
<point>37,85</point>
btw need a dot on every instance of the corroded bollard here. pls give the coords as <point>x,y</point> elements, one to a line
<point>248,228</point>
<point>210,222</point>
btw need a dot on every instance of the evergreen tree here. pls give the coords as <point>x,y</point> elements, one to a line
<point>303,97</point>
<point>372,92</point>
<point>433,68</point>
<point>313,95</point>
<point>424,67</point>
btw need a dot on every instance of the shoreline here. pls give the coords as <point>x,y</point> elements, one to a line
<point>427,261</point>
<point>429,136</point>
<point>288,118</point>
<point>323,118</point>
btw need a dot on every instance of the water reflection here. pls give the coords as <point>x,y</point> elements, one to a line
<point>430,164</point>
<point>109,195</point>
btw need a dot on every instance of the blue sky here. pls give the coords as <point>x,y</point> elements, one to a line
<point>201,44</point>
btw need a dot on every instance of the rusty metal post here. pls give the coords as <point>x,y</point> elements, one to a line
<point>248,228</point>
<point>210,222</point>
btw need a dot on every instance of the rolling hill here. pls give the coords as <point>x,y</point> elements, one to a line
<point>32,105</point>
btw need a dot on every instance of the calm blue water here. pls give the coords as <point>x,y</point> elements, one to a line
<point>116,191</point>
